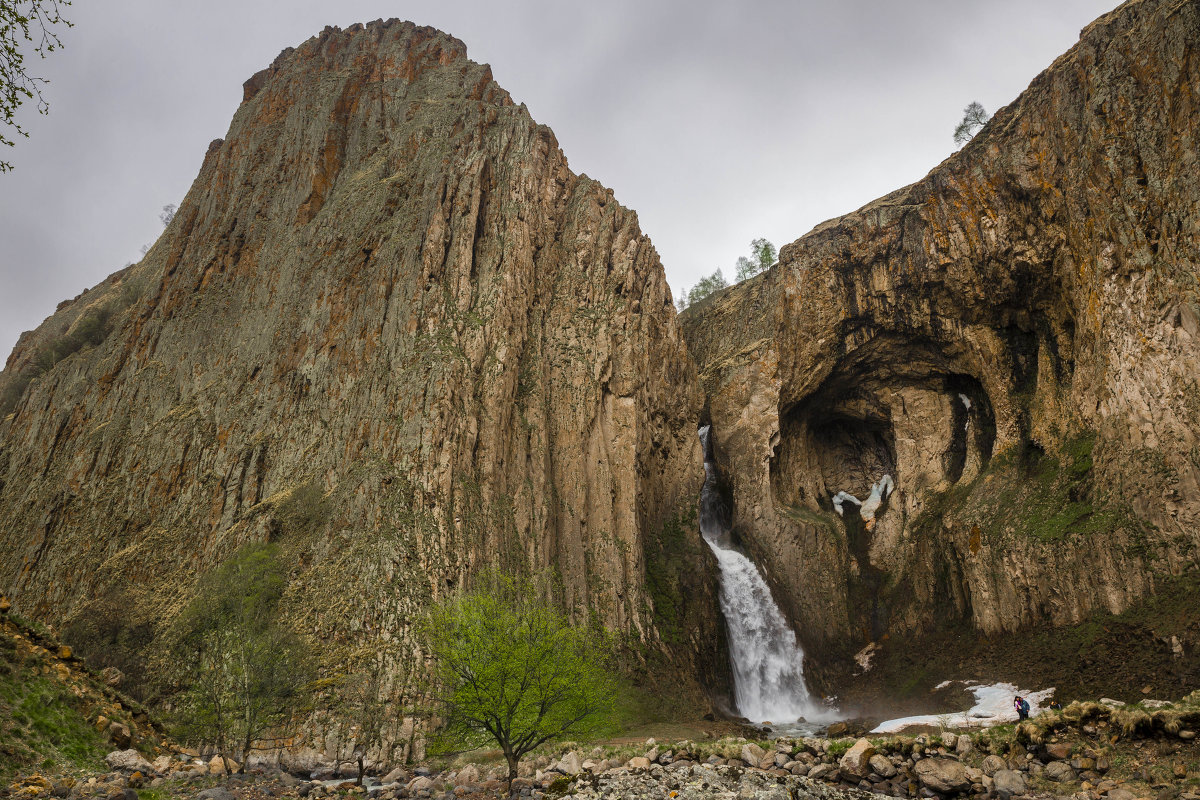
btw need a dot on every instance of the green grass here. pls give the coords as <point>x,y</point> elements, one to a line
<point>1025,493</point>
<point>40,725</point>
<point>839,747</point>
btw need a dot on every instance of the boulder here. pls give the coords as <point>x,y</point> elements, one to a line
<point>468,776</point>
<point>421,783</point>
<point>128,761</point>
<point>1008,782</point>
<point>217,765</point>
<point>963,745</point>
<point>949,740</point>
<point>652,754</point>
<point>398,775</point>
<point>1060,772</point>
<point>752,754</point>
<point>571,764</point>
<point>112,676</point>
<point>1058,751</point>
<point>824,772</point>
<point>215,793</point>
<point>1120,794</point>
<point>856,760</point>
<point>882,765</point>
<point>162,764</point>
<point>993,764</point>
<point>120,735</point>
<point>942,775</point>
<point>639,762</point>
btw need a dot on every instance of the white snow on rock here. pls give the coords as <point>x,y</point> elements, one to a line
<point>993,706</point>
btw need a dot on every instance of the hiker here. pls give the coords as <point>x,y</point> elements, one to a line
<point>1022,707</point>
<point>1055,705</point>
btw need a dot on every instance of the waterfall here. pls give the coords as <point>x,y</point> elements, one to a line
<point>768,664</point>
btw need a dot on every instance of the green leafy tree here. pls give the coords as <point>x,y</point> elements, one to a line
<point>245,676</point>
<point>510,668</point>
<point>25,23</point>
<point>705,287</point>
<point>974,118</point>
<point>762,256</point>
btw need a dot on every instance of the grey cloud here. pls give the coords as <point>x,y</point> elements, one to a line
<point>717,121</point>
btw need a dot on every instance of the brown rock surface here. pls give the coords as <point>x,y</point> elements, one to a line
<point>1047,273</point>
<point>389,328</point>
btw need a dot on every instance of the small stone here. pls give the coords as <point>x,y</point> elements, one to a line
<point>120,735</point>
<point>215,793</point>
<point>128,761</point>
<point>993,764</point>
<point>824,772</point>
<point>1060,772</point>
<point>1187,735</point>
<point>1058,751</point>
<point>882,765</point>
<point>1009,782</point>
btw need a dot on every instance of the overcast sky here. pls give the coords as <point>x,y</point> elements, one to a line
<point>718,122</point>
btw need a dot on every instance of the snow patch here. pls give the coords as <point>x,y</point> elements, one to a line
<point>993,706</point>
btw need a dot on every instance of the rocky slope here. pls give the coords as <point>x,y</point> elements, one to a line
<point>389,328</point>
<point>1015,339</point>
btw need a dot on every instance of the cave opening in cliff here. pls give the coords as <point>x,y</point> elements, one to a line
<point>831,445</point>
<point>893,408</point>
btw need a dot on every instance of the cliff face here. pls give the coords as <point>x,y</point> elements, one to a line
<point>1015,339</point>
<point>390,329</point>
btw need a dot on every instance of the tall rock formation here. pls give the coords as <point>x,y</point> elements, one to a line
<point>391,330</point>
<point>1015,339</point>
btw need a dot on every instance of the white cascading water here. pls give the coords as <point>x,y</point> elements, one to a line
<point>768,664</point>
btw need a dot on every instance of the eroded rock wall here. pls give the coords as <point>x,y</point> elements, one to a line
<point>389,328</point>
<point>1015,339</point>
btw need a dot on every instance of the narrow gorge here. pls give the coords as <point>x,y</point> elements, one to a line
<point>392,332</point>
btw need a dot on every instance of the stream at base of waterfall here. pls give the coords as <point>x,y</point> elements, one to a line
<point>767,662</point>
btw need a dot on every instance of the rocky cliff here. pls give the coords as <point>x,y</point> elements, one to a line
<point>1015,339</point>
<point>390,329</point>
